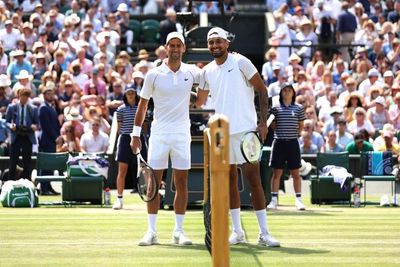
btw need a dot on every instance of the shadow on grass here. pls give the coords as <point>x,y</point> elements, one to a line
<point>194,246</point>
<point>256,250</point>
<point>309,212</point>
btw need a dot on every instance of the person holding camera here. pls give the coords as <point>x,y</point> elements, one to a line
<point>22,119</point>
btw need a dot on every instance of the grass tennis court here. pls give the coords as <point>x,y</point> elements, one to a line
<point>93,236</point>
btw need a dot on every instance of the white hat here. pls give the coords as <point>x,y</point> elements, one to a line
<point>336,109</point>
<point>83,43</point>
<point>4,80</point>
<point>294,56</point>
<point>380,100</point>
<point>74,115</point>
<point>305,21</point>
<point>217,32</point>
<point>73,18</point>
<point>276,67</point>
<point>388,73</point>
<point>305,168</point>
<point>50,86</point>
<point>373,73</point>
<point>23,74</point>
<point>17,53</point>
<point>361,49</point>
<point>173,35</point>
<point>137,74</point>
<point>106,24</point>
<point>122,7</point>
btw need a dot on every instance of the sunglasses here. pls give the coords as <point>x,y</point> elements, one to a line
<point>95,124</point>
<point>360,114</point>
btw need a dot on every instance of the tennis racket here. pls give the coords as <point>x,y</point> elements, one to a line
<point>207,197</point>
<point>251,144</point>
<point>147,184</point>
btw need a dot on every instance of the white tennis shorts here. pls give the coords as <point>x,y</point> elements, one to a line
<point>235,154</point>
<point>163,146</point>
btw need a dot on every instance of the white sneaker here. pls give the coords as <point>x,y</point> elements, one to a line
<point>273,205</point>
<point>265,239</point>
<point>118,204</point>
<point>237,238</point>
<point>179,238</point>
<point>299,204</point>
<point>150,238</point>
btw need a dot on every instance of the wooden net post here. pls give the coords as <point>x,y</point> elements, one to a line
<point>219,161</point>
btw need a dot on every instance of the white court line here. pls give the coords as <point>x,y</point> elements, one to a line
<point>134,242</point>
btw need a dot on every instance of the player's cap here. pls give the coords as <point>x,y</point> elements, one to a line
<point>173,35</point>
<point>217,32</point>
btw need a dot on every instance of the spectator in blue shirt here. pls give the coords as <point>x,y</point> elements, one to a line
<point>19,64</point>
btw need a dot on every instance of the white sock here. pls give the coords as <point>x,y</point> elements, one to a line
<point>152,220</point>
<point>236,223</point>
<point>262,220</point>
<point>179,222</point>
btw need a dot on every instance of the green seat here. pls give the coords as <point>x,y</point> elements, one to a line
<point>151,34</point>
<point>151,22</point>
<point>323,188</point>
<point>51,162</point>
<point>136,27</point>
<point>150,31</point>
<point>37,83</point>
<point>374,178</point>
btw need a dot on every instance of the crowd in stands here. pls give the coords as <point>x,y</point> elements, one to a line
<point>73,47</point>
<point>350,91</point>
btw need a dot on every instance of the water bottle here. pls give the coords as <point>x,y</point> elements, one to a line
<point>107,196</point>
<point>395,200</point>
<point>356,195</point>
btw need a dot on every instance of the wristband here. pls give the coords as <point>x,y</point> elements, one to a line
<point>136,131</point>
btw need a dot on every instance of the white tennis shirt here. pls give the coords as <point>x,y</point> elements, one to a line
<point>171,95</point>
<point>231,92</point>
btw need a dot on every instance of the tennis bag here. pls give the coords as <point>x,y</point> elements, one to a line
<point>20,193</point>
<point>89,165</point>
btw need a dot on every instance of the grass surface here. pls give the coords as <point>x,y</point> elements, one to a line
<point>94,236</point>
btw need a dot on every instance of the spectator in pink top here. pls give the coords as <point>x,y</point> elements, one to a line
<point>100,84</point>
<point>86,64</point>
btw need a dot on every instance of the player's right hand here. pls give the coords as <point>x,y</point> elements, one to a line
<point>136,145</point>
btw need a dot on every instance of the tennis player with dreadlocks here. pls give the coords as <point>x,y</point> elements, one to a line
<point>231,80</point>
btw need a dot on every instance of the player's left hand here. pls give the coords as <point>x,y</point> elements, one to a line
<point>262,131</point>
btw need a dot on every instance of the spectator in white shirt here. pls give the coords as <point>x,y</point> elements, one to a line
<point>9,36</point>
<point>94,141</point>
